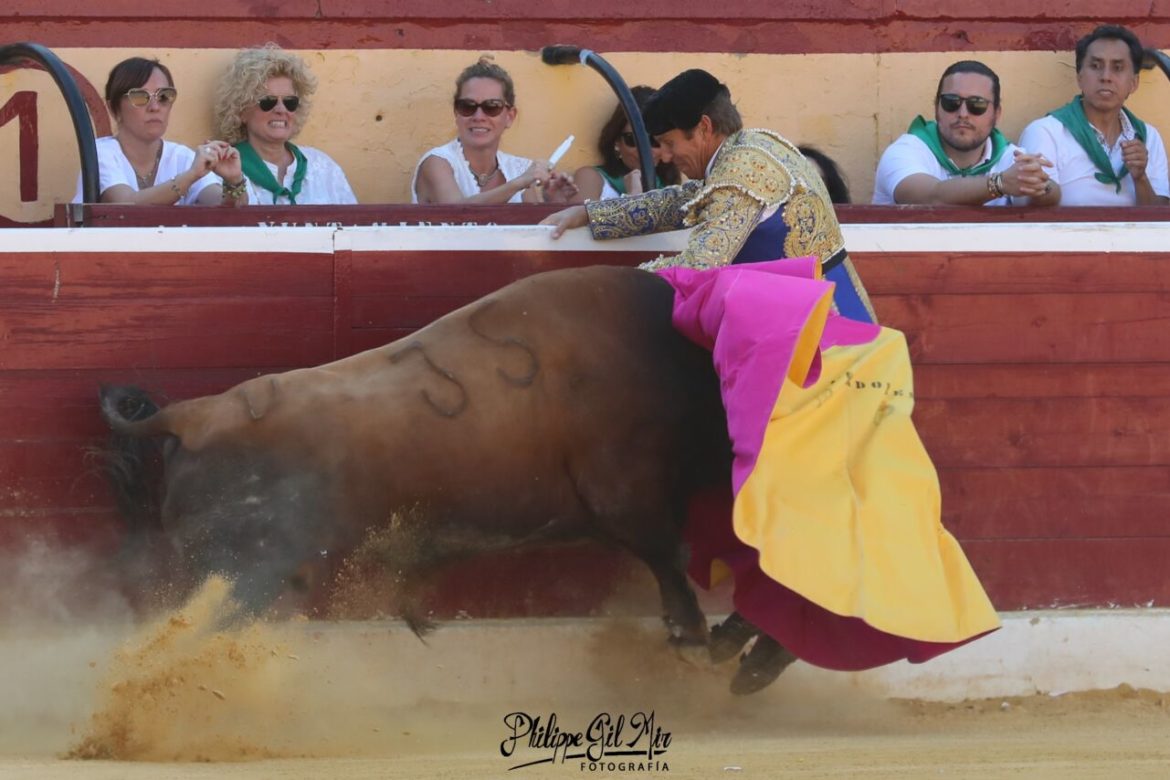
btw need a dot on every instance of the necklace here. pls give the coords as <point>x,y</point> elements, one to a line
<point>483,178</point>
<point>147,180</point>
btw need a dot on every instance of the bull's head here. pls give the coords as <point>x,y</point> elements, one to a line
<point>229,507</point>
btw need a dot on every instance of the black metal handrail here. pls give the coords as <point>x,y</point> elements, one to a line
<point>1156,59</point>
<point>12,54</point>
<point>569,55</point>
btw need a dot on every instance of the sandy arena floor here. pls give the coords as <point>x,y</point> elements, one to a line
<point>302,700</point>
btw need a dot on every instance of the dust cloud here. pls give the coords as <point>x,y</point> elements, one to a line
<point>192,686</point>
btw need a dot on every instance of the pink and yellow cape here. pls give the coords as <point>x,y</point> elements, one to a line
<point>834,537</point>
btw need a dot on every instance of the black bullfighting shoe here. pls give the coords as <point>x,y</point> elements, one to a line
<point>729,637</point>
<point>761,665</point>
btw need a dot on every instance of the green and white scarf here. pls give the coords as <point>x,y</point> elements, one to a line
<point>257,171</point>
<point>1072,116</point>
<point>928,133</point>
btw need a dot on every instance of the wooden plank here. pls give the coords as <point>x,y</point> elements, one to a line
<point>871,27</point>
<point>67,277</point>
<point>1061,380</point>
<point>342,301</point>
<point>1008,9</point>
<point>157,333</point>
<point>362,339</point>
<point>464,274</point>
<point>1017,432</point>
<point>1031,328</point>
<point>1089,274</point>
<point>120,215</point>
<point>115,215</point>
<point>1051,573</point>
<point>1056,503</point>
<point>404,311</point>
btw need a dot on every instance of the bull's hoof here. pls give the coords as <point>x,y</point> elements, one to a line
<point>692,652</point>
<point>729,637</point>
<point>761,666</point>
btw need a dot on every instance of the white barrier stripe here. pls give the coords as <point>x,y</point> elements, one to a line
<point>888,238</point>
<point>1013,237</point>
<point>496,238</point>
<point>168,239</point>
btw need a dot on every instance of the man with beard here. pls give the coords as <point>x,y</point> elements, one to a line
<point>961,159</point>
<point>1102,154</point>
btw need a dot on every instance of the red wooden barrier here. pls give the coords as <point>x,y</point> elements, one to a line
<point>1042,386</point>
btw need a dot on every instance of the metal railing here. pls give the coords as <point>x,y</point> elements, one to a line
<point>570,55</point>
<point>15,54</point>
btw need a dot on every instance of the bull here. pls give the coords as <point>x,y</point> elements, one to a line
<point>563,406</point>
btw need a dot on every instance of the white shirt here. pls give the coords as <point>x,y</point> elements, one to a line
<point>512,166</point>
<point>114,169</point>
<point>909,155</point>
<point>1075,173</point>
<point>324,184</point>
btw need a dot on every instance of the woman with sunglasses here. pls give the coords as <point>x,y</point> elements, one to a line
<point>471,168</point>
<point>263,101</point>
<point>620,170</point>
<point>136,165</point>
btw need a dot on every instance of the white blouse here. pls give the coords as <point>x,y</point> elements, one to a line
<point>114,169</point>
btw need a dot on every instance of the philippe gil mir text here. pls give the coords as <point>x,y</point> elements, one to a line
<point>607,744</point>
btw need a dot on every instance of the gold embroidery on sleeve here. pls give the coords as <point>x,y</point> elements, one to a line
<point>637,215</point>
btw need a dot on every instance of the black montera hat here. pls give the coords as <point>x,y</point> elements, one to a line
<point>680,102</point>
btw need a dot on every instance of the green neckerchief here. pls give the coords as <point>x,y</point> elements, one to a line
<point>928,132</point>
<point>1072,116</point>
<point>619,182</point>
<point>257,171</point>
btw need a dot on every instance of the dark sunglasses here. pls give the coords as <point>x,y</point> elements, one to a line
<point>628,140</point>
<point>468,107</point>
<point>164,96</point>
<point>976,105</point>
<point>268,102</point>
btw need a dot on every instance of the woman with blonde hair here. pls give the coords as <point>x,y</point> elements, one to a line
<point>471,168</point>
<point>263,101</point>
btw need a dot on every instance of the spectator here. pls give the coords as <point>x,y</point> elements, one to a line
<point>620,169</point>
<point>830,174</point>
<point>262,103</point>
<point>1102,154</point>
<point>471,168</point>
<point>136,165</point>
<point>961,158</point>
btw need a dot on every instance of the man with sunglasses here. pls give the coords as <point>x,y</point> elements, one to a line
<point>1102,154</point>
<point>961,158</point>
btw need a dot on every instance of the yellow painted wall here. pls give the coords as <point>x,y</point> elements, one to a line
<point>850,105</point>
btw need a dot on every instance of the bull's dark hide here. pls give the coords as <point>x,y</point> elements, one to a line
<point>562,406</point>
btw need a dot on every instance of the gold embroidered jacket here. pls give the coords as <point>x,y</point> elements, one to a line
<point>755,173</point>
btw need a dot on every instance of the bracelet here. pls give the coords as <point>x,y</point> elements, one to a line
<point>995,185</point>
<point>235,191</point>
<point>175,188</point>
